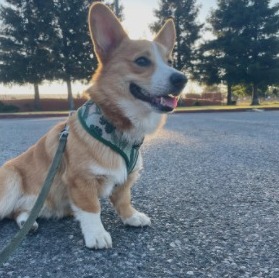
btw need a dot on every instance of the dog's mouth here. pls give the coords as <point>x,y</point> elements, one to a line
<point>164,103</point>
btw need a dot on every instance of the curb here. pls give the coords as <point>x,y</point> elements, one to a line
<point>31,115</point>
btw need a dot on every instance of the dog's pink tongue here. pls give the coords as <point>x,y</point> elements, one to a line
<point>169,101</point>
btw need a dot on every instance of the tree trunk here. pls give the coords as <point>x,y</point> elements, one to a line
<point>116,3</point>
<point>255,97</point>
<point>229,96</point>
<point>70,95</point>
<point>178,63</point>
<point>37,102</point>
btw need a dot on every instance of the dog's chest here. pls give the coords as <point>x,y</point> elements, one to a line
<point>110,177</point>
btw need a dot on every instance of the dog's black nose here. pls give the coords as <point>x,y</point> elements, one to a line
<point>178,81</point>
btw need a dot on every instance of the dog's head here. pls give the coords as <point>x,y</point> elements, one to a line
<point>137,72</point>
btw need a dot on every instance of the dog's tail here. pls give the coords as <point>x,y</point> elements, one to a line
<point>10,191</point>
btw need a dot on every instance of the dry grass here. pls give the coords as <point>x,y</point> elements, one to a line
<point>241,107</point>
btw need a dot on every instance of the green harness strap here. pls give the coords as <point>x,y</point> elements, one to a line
<point>93,121</point>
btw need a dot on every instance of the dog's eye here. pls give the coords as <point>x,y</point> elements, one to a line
<point>170,63</point>
<point>143,62</point>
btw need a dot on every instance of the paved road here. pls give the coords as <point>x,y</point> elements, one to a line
<point>211,186</point>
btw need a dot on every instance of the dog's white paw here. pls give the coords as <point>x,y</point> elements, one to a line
<point>98,240</point>
<point>138,219</point>
<point>95,235</point>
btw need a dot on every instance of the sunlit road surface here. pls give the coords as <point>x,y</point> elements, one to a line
<point>210,185</point>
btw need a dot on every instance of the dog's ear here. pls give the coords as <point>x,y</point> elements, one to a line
<point>167,35</point>
<point>105,29</point>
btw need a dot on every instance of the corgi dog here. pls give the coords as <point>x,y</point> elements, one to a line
<point>132,89</point>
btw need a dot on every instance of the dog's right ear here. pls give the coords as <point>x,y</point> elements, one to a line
<point>105,29</point>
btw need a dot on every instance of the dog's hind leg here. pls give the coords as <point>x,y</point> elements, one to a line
<point>10,191</point>
<point>22,217</point>
<point>22,211</point>
<point>13,203</point>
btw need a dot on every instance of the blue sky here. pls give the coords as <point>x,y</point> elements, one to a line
<point>139,14</point>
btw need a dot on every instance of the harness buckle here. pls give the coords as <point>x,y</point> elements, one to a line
<point>64,132</point>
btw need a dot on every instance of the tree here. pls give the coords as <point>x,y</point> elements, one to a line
<point>117,8</point>
<point>25,43</point>
<point>220,60</point>
<point>43,40</point>
<point>261,35</point>
<point>185,13</point>
<point>73,49</point>
<point>246,45</point>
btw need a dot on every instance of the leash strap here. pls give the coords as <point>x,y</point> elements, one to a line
<point>18,238</point>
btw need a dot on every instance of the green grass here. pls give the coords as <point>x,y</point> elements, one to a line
<point>228,107</point>
<point>240,107</point>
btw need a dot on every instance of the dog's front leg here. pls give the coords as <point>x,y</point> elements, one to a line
<point>87,210</point>
<point>121,200</point>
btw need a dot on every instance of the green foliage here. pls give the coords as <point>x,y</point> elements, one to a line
<point>25,41</point>
<point>46,40</point>
<point>184,13</point>
<point>241,90</point>
<point>72,48</point>
<point>8,108</point>
<point>273,91</point>
<point>246,46</point>
<point>196,103</point>
<point>111,4</point>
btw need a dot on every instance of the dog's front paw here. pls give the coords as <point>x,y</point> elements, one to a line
<point>138,219</point>
<point>98,240</point>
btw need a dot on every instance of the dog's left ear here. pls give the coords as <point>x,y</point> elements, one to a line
<point>105,29</point>
<point>167,35</point>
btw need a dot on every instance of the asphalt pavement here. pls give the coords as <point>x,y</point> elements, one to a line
<point>210,186</point>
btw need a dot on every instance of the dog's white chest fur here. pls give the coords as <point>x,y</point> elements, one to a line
<point>113,177</point>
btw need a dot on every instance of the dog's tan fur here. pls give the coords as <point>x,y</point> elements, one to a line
<point>76,183</point>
